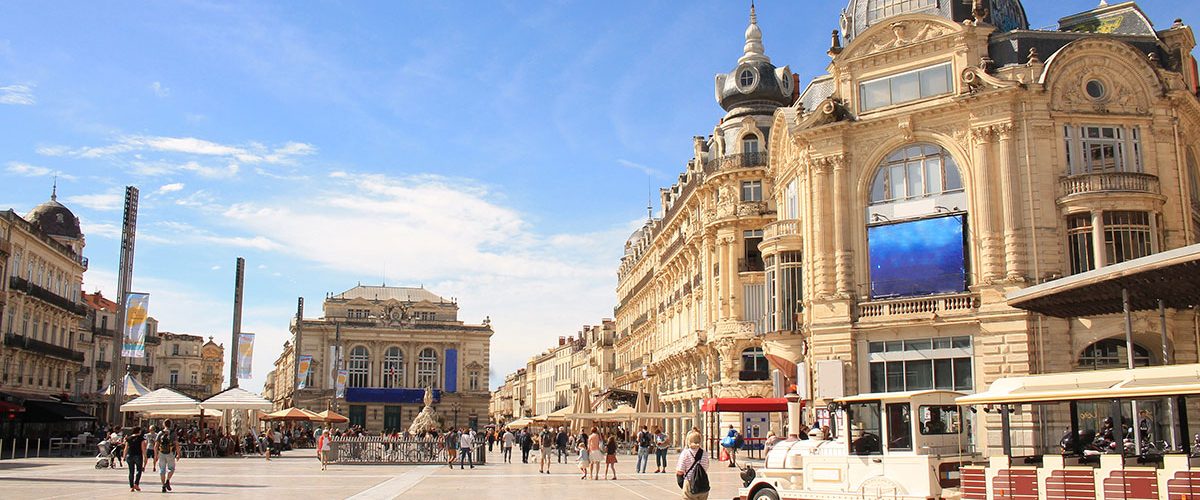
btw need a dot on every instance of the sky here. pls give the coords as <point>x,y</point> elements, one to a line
<point>498,153</point>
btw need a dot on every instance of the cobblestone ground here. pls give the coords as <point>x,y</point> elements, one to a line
<point>298,474</point>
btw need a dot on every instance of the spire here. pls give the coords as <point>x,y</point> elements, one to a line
<point>54,189</point>
<point>754,46</point>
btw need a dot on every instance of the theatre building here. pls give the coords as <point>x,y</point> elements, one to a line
<point>952,155</point>
<point>394,342</point>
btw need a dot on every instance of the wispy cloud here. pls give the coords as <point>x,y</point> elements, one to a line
<point>18,94</point>
<point>27,170</point>
<point>158,155</point>
<point>182,233</point>
<point>159,89</point>
<point>639,167</point>
<point>171,188</point>
<point>107,201</point>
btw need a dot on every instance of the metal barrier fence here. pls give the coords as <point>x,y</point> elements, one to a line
<point>387,450</point>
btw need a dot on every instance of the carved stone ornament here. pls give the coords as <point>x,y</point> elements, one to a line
<point>905,33</point>
<point>976,79</point>
<point>1128,80</point>
<point>832,110</point>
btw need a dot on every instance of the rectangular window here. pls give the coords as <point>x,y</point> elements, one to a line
<point>941,419</point>
<point>174,379</point>
<point>905,87</point>
<point>751,190</point>
<point>887,8</point>
<point>358,415</point>
<point>911,365</point>
<point>1127,235</point>
<point>1093,149</point>
<point>791,201</point>
<point>753,257</point>
<point>1079,243</point>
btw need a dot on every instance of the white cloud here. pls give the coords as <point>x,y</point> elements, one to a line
<point>27,170</point>
<point>159,155</point>
<point>159,89</point>
<point>18,94</point>
<point>639,167</point>
<point>182,233</point>
<point>215,268</point>
<point>100,229</point>
<point>112,200</point>
<point>170,188</point>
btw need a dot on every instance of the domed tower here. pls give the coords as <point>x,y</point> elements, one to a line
<point>755,86</point>
<point>1005,15</point>
<point>57,221</point>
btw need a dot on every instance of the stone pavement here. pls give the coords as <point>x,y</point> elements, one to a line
<point>298,474</point>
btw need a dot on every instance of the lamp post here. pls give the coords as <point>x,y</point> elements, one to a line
<point>456,405</point>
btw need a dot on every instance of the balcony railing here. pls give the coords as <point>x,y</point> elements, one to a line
<point>750,375</point>
<point>670,250</point>
<point>735,161</point>
<point>1106,182</point>
<point>21,285</point>
<point>930,306</point>
<point>790,227</point>
<point>45,348</point>
<point>750,265</point>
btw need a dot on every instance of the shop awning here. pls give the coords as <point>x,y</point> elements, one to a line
<point>53,411</point>
<point>714,405</point>
<point>1149,382</point>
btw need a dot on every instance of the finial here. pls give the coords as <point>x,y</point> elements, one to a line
<point>753,51</point>
<point>54,189</point>
<point>753,17</point>
<point>1103,3</point>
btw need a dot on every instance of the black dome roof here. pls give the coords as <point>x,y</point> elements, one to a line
<point>55,219</point>
<point>755,82</point>
<point>1005,15</point>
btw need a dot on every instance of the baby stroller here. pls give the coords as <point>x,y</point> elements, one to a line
<point>104,458</point>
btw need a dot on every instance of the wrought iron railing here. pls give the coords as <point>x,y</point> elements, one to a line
<point>37,346</point>
<point>22,285</point>
<point>734,161</point>
<point>1108,182</point>
<point>388,450</point>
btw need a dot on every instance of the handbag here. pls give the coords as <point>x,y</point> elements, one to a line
<point>696,460</point>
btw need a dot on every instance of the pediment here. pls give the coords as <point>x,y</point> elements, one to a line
<point>901,31</point>
<point>1130,83</point>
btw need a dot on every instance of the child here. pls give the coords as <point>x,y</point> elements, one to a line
<point>610,458</point>
<point>584,462</point>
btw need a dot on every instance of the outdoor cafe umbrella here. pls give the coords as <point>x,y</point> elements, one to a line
<point>133,388</point>
<point>236,398</point>
<point>329,416</point>
<point>164,399</point>
<point>289,415</point>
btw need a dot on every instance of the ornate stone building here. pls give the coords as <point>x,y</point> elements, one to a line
<point>40,304</point>
<point>952,155</point>
<point>394,342</point>
<point>96,342</point>
<point>189,364</point>
<point>689,316</point>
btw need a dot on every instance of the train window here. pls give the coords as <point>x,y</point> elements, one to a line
<point>899,427</point>
<point>865,428</point>
<point>940,419</point>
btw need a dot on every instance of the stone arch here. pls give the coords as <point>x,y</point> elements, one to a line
<point>1129,78</point>
<point>875,157</point>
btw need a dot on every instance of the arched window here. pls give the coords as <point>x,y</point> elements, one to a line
<point>358,368</point>
<point>427,369</point>
<point>393,368</point>
<point>1111,353</point>
<point>753,360</point>
<point>916,171</point>
<point>750,143</point>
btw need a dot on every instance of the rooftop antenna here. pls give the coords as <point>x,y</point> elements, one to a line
<point>649,199</point>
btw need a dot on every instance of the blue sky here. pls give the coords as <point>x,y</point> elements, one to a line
<point>497,152</point>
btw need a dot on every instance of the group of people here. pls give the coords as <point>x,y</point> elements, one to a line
<point>159,448</point>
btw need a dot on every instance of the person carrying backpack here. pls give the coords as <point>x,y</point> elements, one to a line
<point>644,441</point>
<point>732,442</point>
<point>691,472</point>
<point>167,449</point>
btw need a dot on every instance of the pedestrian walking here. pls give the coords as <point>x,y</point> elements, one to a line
<point>466,442</point>
<point>491,438</point>
<point>610,456</point>
<point>451,441</point>
<point>585,461</point>
<point>151,442</point>
<point>323,448</point>
<point>662,444</point>
<point>546,450</point>
<point>692,469</point>
<point>526,442</point>
<point>168,452</point>
<point>645,441</point>
<point>731,442</point>
<point>135,457</point>
<point>595,456</point>
<point>268,442</point>
<point>506,445</point>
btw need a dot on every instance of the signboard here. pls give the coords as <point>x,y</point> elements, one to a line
<point>137,309</point>
<point>305,364</point>
<point>245,354</point>
<point>332,365</point>
<point>341,383</point>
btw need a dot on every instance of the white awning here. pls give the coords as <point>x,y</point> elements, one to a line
<point>132,388</point>
<point>236,398</point>
<point>1139,383</point>
<point>163,399</point>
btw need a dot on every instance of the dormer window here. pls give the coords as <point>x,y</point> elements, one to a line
<point>746,78</point>
<point>750,143</point>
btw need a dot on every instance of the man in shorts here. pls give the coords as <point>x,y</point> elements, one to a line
<point>167,449</point>
<point>151,442</point>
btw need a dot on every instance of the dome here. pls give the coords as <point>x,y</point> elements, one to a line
<point>1005,15</point>
<point>55,219</point>
<point>755,82</point>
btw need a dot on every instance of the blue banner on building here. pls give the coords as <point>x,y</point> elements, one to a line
<point>451,370</point>
<point>396,396</point>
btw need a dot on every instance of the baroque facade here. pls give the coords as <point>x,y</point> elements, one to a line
<point>952,155</point>
<point>393,342</point>
<point>189,364</point>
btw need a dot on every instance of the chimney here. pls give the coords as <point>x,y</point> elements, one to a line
<point>562,341</point>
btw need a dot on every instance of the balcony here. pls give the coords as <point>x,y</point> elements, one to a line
<point>1107,182</point>
<point>103,332</point>
<point>781,229</point>
<point>671,249</point>
<point>918,307</point>
<point>103,365</point>
<point>736,161</point>
<point>5,247</point>
<point>753,375</point>
<point>37,292</point>
<point>39,347</point>
<point>750,265</point>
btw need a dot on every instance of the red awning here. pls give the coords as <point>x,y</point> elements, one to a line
<point>744,405</point>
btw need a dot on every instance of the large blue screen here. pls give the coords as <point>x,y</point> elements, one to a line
<point>921,257</point>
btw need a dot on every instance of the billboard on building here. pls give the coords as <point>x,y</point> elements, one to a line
<point>245,352</point>
<point>920,257</point>
<point>137,309</point>
<point>342,375</point>
<point>304,365</point>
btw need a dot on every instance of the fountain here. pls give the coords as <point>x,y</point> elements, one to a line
<point>428,419</point>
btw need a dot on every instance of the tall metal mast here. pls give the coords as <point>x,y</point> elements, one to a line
<point>237,320</point>
<point>124,280</point>
<point>296,346</point>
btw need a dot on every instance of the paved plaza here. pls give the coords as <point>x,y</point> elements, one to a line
<point>299,474</point>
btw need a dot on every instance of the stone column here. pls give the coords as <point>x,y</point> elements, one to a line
<point>841,226</point>
<point>1014,249</point>
<point>824,244</point>
<point>991,261</point>
<point>1099,257</point>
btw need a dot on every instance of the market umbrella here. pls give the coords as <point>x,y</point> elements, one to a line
<point>164,399</point>
<point>288,415</point>
<point>133,388</point>
<point>236,398</point>
<point>583,405</point>
<point>329,416</point>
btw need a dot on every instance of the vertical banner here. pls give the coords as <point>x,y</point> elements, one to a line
<point>137,309</point>
<point>332,367</point>
<point>341,383</point>
<point>245,354</point>
<point>304,364</point>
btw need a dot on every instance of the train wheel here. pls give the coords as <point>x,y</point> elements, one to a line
<point>765,494</point>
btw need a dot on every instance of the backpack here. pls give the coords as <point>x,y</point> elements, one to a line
<point>644,439</point>
<point>700,482</point>
<point>164,442</point>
